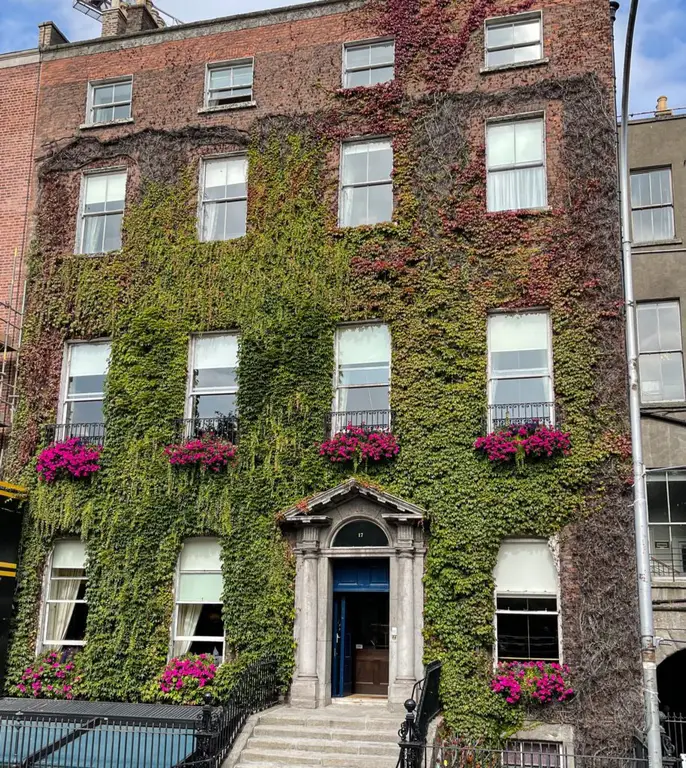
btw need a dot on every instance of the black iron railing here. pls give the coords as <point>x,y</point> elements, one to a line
<point>96,734</point>
<point>373,420</point>
<point>520,754</point>
<point>668,562</point>
<point>224,427</point>
<point>421,708</point>
<point>92,433</point>
<point>504,414</point>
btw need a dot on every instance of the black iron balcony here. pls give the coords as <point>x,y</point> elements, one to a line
<point>370,421</point>
<point>224,427</point>
<point>504,414</point>
<point>668,562</point>
<point>92,433</point>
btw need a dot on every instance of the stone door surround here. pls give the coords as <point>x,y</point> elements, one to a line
<point>311,527</point>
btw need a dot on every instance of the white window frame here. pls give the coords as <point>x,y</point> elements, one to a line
<point>42,642</point>
<point>215,65</point>
<point>191,392</point>
<point>490,378</point>
<point>552,544</point>
<point>523,117</point>
<point>337,389</point>
<point>80,229</point>
<point>680,351</point>
<point>361,44</point>
<point>65,398</point>
<point>517,18</point>
<point>342,186</point>
<point>90,101</point>
<point>201,196</point>
<point>670,206</point>
<point>177,586</point>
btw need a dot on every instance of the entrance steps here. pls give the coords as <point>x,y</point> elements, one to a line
<point>343,735</point>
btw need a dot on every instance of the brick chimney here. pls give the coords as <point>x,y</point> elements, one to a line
<point>114,20</point>
<point>142,15</point>
<point>662,110</point>
<point>49,34</point>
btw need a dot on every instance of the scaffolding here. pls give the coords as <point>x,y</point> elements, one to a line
<point>11,322</point>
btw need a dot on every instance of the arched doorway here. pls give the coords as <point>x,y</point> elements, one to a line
<point>359,567</point>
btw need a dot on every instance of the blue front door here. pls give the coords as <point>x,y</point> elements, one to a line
<point>351,576</point>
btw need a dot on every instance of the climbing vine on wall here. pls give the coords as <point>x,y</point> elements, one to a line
<point>432,276</point>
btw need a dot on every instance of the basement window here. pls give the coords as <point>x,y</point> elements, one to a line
<point>229,84</point>
<point>527,614</point>
<point>109,101</point>
<point>531,754</point>
<point>65,603</point>
<point>198,626</point>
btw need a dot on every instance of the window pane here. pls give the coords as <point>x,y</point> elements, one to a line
<point>357,56</point>
<point>648,337</point>
<point>527,32</point>
<point>112,235</point>
<point>677,496</point>
<point>532,390</point>
<point>122,92</point>
<point>122,112</point>
<point>70,554</point>
<point>663,223</point>
<point>235,219</point>
<point>202,554</point>
<point>651,187</point>
<point>96,193</point>
<point>364,399</point>
<point>527,53</point>
<point>650,376</point>
<point>103,114</point>
<point>67,584</point>
<point>103,94</point>
<point>85,412</point>
<point>226,178</point>
<point>510,332</point>
<point>529,141</point>
<point>382,53</point>
<point>500,144</point>
<point>526,567</point>
<point>211,406</point>
<point>501,58</point>
<point>519,362</point>
<point>88,362</point>
<point>358,78</point>
<point>672,376</point>
<point>380,75</point>
<point>93,234</point>
<point>116,191</point>
<point>669,325</point>
<point>543,637</point>
<point>200,587</point>
<point>66,622</point>
<point>221,78</point>
<point>380,204</point>
<point>363,344</point>
<point>500,35</point>
<point>518,189</point>
<point>512,636</point>
<point>215,362</point>
<point>656,493</point>
<point>214,221</point>
<point>242,75</point>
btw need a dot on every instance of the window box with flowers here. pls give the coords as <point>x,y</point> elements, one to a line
<point>51,676</point>
<point>532,682</point>
<point>518,442</point>
<point>71,458</point>
<point>184,680</point>
<point>360,444</point>
<point>207,452</point>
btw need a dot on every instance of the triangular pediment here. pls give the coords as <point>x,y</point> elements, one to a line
<point>314,508</point>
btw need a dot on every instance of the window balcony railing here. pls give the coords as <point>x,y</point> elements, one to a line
<point>224,427</point>
<point>668,563</point>
<point>371,421</point>
<point>92,433</point>
<point>504,414</point>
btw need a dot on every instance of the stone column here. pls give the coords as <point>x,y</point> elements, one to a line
<point>405,677</point>
<point>305,688</point>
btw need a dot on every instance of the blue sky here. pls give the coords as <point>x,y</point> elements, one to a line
<point>659,55</point>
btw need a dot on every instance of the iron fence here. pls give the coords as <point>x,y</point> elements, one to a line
<point>92,433</point>
<point>668,562</point>
<point>169,737</point>
<point>371,421</point>
<point>524,754</point>
<point>224,427</point>
<point>504,414</point>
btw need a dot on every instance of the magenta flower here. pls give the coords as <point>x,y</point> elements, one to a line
<point>517,441</point>
<point>532,682</point>
<point>72,458</point>
<point>359,443</point>
<point>207,452</point>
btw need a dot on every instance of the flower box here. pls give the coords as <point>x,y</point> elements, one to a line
<point>532,682</point>
<point>517,442</point>
<point>71,458</point>
<point>184,680</point>
<point>51,676</point>
<point>358,444</point>
<point>207,452</point>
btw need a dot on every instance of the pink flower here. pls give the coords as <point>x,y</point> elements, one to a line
<point>360,443</point>
<point>70,458</point>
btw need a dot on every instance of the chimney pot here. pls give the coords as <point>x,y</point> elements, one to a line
<point>662,110</point>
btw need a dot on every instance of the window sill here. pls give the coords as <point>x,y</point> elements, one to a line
<point>518,65</point>
<point>652,243</point>
<point>663,405</point>
<point>525,211</point>
<point>227,107</point>
<point>95,255</point>
<point>108,124</point>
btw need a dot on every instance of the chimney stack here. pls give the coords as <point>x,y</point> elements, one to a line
<point>662,110</point>
<point>128,16</point>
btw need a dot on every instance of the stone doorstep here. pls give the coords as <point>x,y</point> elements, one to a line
<point>264,730</point>
<point>348,746</point>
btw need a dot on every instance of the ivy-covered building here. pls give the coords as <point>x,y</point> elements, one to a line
<point>323,357</point>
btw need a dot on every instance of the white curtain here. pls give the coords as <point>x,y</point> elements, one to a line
<point>520,188</point>
<point>216,351</point>
<point>59,614</point>
<point>89,359</point>
<point>186,622</point>
<point>525,567</point>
